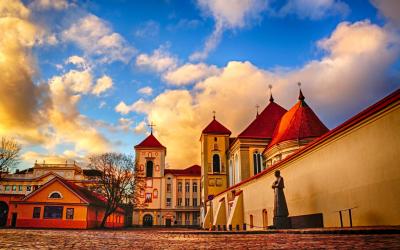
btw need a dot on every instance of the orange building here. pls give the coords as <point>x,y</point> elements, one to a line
<point>61,204</point>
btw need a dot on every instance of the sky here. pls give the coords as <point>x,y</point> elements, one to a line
<point>85,77</point>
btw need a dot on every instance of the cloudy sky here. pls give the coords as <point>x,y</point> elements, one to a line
<point>82,77</point>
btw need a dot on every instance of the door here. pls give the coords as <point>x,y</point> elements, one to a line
<point>168,222</point>
<point>3,213</point>
<point>14,220</point>
<point>147,220</point>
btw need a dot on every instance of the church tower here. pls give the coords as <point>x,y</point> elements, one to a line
<point>214,172</point>
<point>150,159</point>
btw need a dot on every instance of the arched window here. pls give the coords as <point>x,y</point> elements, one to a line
<point>230,173</point>
<point>216,164</point>
<point>55,195</point>
<point>149,169</point>
<point>257,162</point>
<point>237,169</point>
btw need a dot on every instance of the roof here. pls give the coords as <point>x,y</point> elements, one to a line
<point>215,127</point>
<point>264,124</point>
<point>194,170</point>
<point>150,142</point>
<point>300,122</point>
<point>352,122</point>
<point>85,194</point>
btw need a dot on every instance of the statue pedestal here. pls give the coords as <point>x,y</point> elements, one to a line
<point>282,223</point>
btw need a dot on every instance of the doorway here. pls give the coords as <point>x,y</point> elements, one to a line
<point>147,220</point>
<point>168,222</point>
<point>14,220</point>
<point>3,213</point>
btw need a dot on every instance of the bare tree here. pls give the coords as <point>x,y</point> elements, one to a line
<point>138,190</point>
<point>9,154</point>
<point>116,182</point>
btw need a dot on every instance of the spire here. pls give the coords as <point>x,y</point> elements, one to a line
<point>271,98</point>
<point>151,125</point>
<point>301,96</point>
<point>214,114</point>
<point>257,106</point>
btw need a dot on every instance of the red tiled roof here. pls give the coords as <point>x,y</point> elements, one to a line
<point>194,170</point>
<point>352,122</point>
<point>300,122</point>
<point>216,128</point>
<point>264,124</point>
<point>150,142</point>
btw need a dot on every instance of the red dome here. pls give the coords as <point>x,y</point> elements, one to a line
<point>300,122</point>
<point>216,128</point>
<point>264,124</point>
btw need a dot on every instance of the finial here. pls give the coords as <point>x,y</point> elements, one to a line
<point>271,99</point>
<point>214,114</point>
<point>257,106</point>
<point>151,125</point>
<point>301,96</point>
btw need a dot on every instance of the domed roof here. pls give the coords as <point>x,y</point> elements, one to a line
<point>300,122</point>
<point>216,127</point>
<point>150,142</point>
<point>264,124</point>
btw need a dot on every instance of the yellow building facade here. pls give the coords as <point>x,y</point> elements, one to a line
<point>349,176</point>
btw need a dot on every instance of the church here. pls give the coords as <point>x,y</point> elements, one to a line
<point>169,197</point>
<point>332,178</point>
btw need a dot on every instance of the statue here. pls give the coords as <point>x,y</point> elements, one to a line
<point>281,213</point>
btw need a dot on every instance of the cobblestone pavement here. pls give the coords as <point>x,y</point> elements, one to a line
<point>160,239</point>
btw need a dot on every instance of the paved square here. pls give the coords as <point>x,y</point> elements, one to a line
<point>162,239</point>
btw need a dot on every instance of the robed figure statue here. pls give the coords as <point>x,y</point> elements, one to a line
<point>281,212</point>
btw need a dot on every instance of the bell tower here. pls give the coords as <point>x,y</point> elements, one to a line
<point>214,168</point>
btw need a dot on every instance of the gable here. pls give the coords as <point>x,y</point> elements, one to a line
<point>42,194</point>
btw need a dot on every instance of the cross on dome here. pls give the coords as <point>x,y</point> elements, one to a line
<point>151,125</point>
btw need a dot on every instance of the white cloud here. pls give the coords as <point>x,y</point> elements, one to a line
<point>49,4</point>
<point>102,104</point>
<point>78,61</point>
<point>140,106</point>
<point>351,76</point>
<point>125,124</point>
<point>160,60</point>
<point>148,29</point>
<point>190,73</point>
<point>102,84</point>
<point>145,90</point>
<point>96,38</point>
<point>232,14</point>
<point>78,81</point>
<point>314,9</point>
<point>140,128</point>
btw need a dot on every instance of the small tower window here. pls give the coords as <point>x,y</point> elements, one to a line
<point>257,162</point>
<point>55,195</point>
<point>216,164</point>
<point>149,169</point>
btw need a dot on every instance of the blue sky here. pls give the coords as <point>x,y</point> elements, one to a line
<point>100,70</point>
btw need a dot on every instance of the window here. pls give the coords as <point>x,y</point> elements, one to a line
<point>149,169</point>
<point>194,202</point>
<point>149,183</point>
<point>187,187</point>
<point>70,214</point>
<point>237,169</point>
<point>251,221</point>
<point>179,218</point>
<point>194,187</point>
<point>230,173</point>
<point>187,218</point>
<point>180,187</point>
<point>168,203</point>
<point>216,163</point>
<point>36,213</point>
<point>53,212</point>
<point>14,188</point>
<point>148,198</point>
<point>168,188</point>
<point>187,202</point>
<point>155,193</point>
<point>28,188</point>
<point>179,202</point>
<point>257,163</point>
<point>196,218</point>
<point>7,188</point>
<point>20,188</point>
<point>55,195</point>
